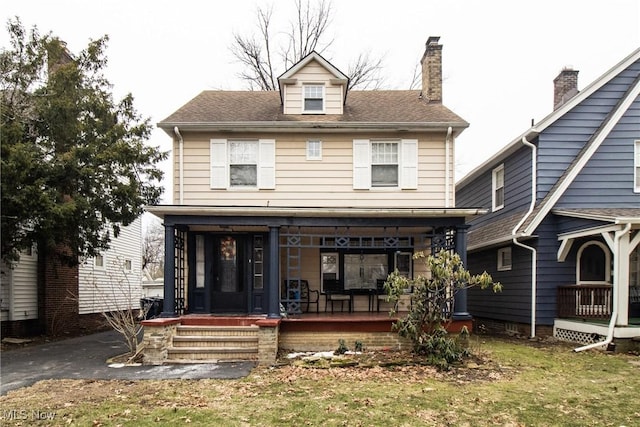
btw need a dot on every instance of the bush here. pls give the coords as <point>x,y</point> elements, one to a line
<point>432,305</point>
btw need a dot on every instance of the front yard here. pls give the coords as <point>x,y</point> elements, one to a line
<point>509,383</point>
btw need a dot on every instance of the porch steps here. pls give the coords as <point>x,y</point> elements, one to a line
<point>202,344</point>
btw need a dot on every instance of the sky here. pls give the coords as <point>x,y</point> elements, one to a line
<point>499,56</point>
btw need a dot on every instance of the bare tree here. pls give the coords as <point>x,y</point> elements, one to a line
<point>153,250</point>
<point>365,72</point>
<point>266,56</point>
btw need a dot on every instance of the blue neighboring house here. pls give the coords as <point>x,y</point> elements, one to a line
<point>563,229</point>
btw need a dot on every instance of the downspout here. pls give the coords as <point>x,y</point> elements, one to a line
<point>534,253</point>
<point>614,313</point>
<point>447,168</point>
<point>180,163</point>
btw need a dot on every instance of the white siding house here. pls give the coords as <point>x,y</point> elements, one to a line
<point>117,283</point>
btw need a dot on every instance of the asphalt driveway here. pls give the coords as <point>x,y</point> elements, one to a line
<point>86,358</point>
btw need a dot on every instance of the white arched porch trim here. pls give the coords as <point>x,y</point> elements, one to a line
<point>607,263</point>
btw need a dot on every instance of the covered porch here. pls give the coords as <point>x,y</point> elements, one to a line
<point>603,304</point>
<point>252,260</point>
<point>309,276</point>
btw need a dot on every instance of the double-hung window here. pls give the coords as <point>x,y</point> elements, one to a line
<point>243,163</point>
<point>384,164</point>
<point>313,98</point>
<point>497,188</point>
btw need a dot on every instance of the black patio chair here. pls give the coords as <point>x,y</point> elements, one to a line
<point>309,296</point>
<point>333,293</point>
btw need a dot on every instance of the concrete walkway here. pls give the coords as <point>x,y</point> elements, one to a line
<point>86,358</point>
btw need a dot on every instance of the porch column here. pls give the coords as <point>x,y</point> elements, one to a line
<point>274,273</point>
<point>460,299</point>
<point>621,279</point>
<point>169,303</point>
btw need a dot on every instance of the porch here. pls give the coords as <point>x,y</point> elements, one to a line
<point>594,303</point>
<point>584,313</point>
<point>211,338</point>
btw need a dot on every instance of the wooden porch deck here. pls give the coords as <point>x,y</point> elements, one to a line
<point>319,322</point>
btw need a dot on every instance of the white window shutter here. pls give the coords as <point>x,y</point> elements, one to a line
<point>219,164</point>
<point>361,164</point>
<point>409,164</point>
<point>267,164</point>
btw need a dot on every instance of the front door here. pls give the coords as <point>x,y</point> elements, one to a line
<point>227,275</point>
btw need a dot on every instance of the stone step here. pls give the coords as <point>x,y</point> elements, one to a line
<point>206,341</point>
<point>211,354</point>
<point>187,330</point>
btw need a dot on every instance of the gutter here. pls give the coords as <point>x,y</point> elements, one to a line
<point>180,163</point>
<point>616,280</point>
<point>534,254</point>
<point>319,126</point>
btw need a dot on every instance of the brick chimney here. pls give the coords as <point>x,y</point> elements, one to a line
<point>564,86</point>
<point>57,55</point>
<point>432,71</point>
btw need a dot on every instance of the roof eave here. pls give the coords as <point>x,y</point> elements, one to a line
<point>246,211</point>
<point>293,126</point>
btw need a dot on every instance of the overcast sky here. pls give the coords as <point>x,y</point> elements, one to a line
<point>499,57</point>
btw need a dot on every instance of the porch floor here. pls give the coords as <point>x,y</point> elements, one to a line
<point>319,322</point>
<point>633,321</point>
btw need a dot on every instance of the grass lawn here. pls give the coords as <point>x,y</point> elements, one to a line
<point>509,383</point>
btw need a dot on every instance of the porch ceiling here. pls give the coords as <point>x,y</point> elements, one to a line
<point>252,216</point>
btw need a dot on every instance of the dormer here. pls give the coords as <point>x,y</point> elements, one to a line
<point>313,86</point>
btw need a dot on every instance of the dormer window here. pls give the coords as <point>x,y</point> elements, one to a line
<point>313,99</point>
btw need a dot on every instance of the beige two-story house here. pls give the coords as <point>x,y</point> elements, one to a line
<point>313,185</point>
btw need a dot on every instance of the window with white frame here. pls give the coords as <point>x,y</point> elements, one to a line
<point>243,163</point>
<point>504,259</point>
<point>128,265</point>
<point>636,167</point>
<point>497,178</point>
<point>384,164</point>
<point>594,263</point>
<point>99,261</point>
<point>313,98</point>
<point>314,149</point>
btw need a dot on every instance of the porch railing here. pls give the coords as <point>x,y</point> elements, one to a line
<point>585,301</point>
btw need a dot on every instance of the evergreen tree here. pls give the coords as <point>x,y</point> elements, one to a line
<point>75,166</point>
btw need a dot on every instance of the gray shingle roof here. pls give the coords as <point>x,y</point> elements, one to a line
<point>384,106</point>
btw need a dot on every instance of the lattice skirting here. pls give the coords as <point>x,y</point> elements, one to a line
<point>576,336</point>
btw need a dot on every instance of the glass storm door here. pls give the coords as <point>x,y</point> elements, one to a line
<point>228,290</point>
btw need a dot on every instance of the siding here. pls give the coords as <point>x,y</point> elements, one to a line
<point>513,304</point>
<point>562,141</point>
<point>551,273</point>
<point>517,190</point>
<point>310,183</point>
<point>19,289</point>
<point>313,72</point>
<point>606,181</point>
<point>569,224</point>
<point>112,288</point>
